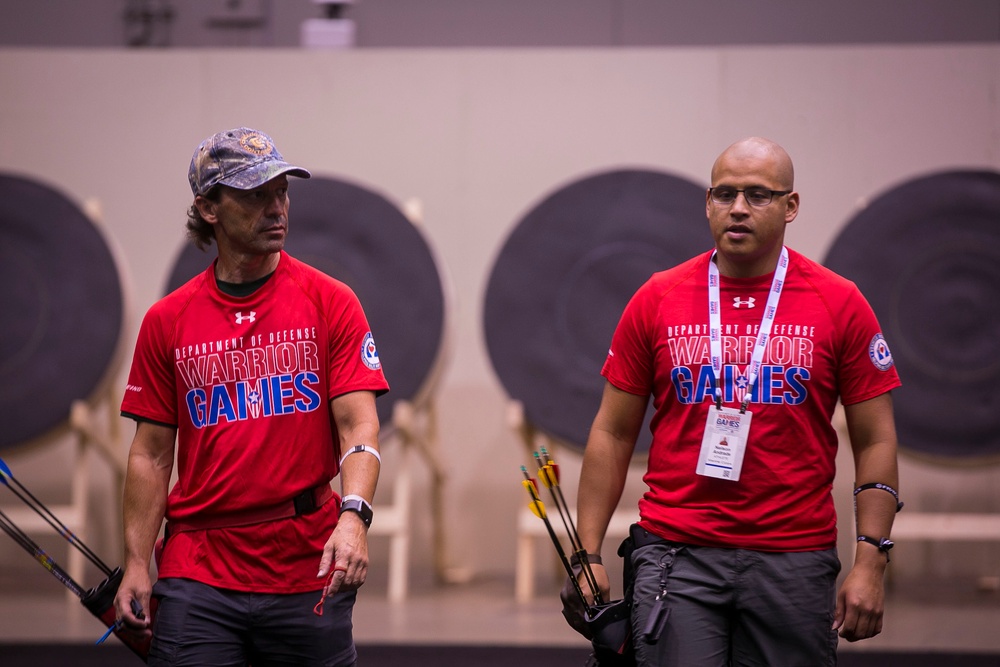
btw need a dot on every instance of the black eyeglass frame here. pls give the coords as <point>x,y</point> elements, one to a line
<point>755,188</point>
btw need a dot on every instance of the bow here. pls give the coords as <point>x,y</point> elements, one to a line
<point>100,599</point>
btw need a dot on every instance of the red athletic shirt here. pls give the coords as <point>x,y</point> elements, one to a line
<point>825,342</point>
<point>247,383</point>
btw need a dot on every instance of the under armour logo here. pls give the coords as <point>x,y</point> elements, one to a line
<point>241,318</point>
<point>748,302</point>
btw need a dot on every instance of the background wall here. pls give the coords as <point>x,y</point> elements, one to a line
<point>508,23</point>
<point>479,137</point>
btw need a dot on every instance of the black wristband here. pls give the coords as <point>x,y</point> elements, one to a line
<point>594,559</point>
<point>883,544</point>
<point>881,487</point>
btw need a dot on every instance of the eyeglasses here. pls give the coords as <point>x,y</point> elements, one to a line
<point>755,196</point>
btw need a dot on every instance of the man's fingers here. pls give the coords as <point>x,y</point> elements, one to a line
<point>838,614</point>
<point>130,622</point>
<point>346,576</point>
<point>573,609</point>
<point>335,578</point>
<point>324,563</point>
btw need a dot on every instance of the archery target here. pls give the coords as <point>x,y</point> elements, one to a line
<point>360,238</point>
<point>563,278</point>
<point>62,307</point>
<point>925,254</point>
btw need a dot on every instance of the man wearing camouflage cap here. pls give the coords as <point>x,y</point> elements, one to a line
<point>260,375</point>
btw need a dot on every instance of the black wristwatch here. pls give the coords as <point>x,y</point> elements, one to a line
<point>883,544</point>
<point>359,505</point>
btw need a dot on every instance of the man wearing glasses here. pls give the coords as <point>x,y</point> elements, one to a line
<point>745,351</point>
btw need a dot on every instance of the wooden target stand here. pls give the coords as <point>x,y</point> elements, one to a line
<point>414,428</point>
<point>94,425</point>
<point>926,527</point>
<point>930,298</point>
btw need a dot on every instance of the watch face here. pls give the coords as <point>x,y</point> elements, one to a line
<point>360,507</point>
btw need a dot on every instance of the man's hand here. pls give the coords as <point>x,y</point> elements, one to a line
<point>861,601</point>
<point>135,587</point>
<point>347,553</point>
<point>573,608</point>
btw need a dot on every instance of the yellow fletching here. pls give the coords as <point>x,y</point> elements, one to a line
<point>536,505</point>
<point>538,509</point>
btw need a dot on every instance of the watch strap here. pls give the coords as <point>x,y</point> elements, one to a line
<point>358,505</point>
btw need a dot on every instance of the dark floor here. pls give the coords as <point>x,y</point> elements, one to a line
<point>84,655</point>
<point>479,623</point>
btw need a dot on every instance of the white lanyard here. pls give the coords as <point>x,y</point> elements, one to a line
<point>715,325</point>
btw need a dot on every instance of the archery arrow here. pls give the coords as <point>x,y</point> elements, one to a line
<point>548,473</point>
<point>7,479</point>
<point>98,600</point>
<point>538,508</point>
<point>39,554</point>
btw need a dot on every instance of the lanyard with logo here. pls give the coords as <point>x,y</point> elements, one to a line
<point>726,429</point>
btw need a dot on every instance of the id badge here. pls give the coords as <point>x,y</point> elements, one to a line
<point>724,443</point>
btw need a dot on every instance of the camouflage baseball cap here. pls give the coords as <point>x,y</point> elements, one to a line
<point>240,158</point>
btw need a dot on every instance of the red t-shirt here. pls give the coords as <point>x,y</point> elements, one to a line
<point>825,342</point>
<point>247,383</point>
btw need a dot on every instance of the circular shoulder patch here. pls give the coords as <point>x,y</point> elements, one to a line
<point>369,353</point>
<point>878,352</point>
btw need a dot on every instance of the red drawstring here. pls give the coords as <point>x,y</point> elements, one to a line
<point>318,609</point>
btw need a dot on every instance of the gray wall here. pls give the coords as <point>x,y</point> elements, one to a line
<point>500,23</point>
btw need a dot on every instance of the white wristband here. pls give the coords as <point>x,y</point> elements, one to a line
<point>361,448</point>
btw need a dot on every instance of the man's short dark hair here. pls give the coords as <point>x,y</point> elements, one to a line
<point>199,231</point>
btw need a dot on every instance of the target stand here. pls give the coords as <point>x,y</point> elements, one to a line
<point>357,236</point>
<point>60,348</point>
<point>555,294</point>
<point>93,427</point>
<point>413,426</point>
<point>932,526</point>
<point>924,254</point>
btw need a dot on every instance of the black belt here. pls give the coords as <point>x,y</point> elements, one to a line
<point>306,502</point>
<point>642,537</point>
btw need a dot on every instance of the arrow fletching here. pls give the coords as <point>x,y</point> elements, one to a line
<point>536,505</point>
<point>538,509</point>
